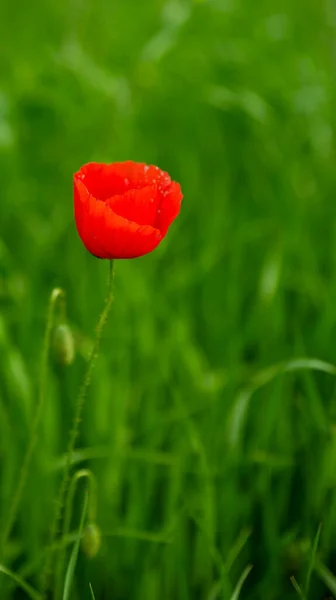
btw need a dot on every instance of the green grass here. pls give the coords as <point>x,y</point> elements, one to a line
<point>210,422</point>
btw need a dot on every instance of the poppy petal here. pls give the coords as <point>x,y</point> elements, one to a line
<point>89,214</point>
<point>139,206</point>
<point>169,207</point>
<point>126,239</point>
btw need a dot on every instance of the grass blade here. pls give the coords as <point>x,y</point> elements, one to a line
<point>297,588</point>
<point>237,548</point>
<point>30,591</point>
<point>74,554</point>
<point>241,582</point>
<point>326,576</point>
<point>91,590</point>
<point>312,559</point>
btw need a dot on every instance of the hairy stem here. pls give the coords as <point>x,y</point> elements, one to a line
<point>74,433</point>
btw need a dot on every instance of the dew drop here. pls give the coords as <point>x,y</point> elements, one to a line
<point>146,169</point>
<point>126,181</point>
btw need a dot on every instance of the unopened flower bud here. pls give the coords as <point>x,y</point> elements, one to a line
<point>64,344</point>
<point>91,540</point>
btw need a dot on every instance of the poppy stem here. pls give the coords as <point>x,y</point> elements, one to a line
<point>56,296</point>
<point>74,433</point>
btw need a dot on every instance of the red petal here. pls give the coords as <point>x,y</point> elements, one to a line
<point>104,181</point>
<point>169,207</point>
<point>125,239</point>
<point>139,205</point>
<point>90,219</point>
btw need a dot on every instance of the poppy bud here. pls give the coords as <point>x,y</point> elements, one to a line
<point>91,540</point>
<point>64,345</point>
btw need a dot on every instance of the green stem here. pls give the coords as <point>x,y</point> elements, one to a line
<point>74,433</point>
<point>56,294</point>
<point>92,505</point>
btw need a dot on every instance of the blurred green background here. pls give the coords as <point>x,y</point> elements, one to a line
<point>210,424</point>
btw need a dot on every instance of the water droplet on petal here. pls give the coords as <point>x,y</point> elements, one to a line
<point>146,169</point>
<point>126,181</point>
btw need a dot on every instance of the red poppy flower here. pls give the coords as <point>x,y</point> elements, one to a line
<point>124,210</point>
